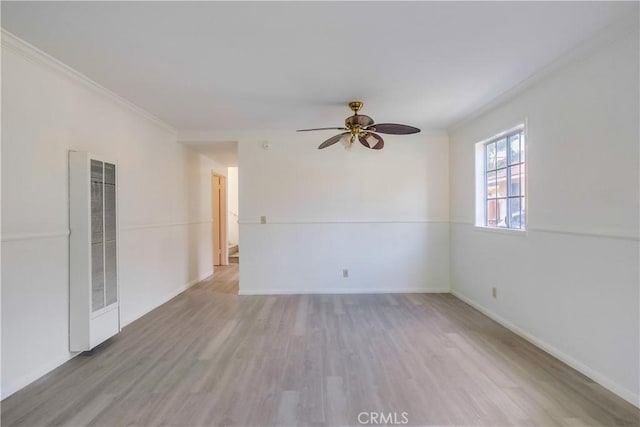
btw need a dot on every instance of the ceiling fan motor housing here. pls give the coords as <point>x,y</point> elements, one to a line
<point>358,120</point>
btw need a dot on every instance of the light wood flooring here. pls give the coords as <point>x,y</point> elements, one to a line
<point>209,357</point>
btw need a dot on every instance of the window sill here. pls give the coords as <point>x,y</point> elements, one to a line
<point>506,231</point>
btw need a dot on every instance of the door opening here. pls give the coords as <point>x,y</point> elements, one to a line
<point>219,209</point>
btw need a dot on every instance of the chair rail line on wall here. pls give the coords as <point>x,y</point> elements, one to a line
<point>10,237</point>
<point>602,235</point>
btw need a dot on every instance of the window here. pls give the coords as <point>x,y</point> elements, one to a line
<point>501,179</point>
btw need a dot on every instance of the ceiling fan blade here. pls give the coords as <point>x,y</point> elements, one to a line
<point>371,140</point>
<point>332,140</point>
<point>307,130</point>
<point>393,129</point>
<point>363,141</point>
<point>380,144</point>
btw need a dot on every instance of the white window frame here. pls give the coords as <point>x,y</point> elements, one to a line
<point>480,184</point>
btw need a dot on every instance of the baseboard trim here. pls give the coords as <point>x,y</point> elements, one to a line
<point>596,376</point>
<point>164,299</point>
<point>341,291</point>
<point>8,390</point>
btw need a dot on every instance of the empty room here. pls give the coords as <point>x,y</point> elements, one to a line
<point>306,213</point>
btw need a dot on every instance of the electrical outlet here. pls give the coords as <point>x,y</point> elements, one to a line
<point>345,273</point>
<point>263,219</point>
<point>494,292</point>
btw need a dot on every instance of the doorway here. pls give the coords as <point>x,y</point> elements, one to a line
<point>219,209</point>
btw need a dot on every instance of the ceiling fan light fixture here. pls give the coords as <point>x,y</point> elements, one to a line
<point>360,127</point>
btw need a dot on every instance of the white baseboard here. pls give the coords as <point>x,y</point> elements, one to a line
<point>9,389</point>
<point>341,291</point>
<point>25,380</point>
<point>164,299</point>
<point>596,376</point>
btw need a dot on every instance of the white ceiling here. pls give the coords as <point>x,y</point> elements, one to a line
<point>290,65</point>
<point>223,152</point>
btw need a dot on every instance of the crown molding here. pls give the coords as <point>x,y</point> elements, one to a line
<point>28,51</point>
<point>606,36</point>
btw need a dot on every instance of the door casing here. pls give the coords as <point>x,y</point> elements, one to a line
<point>219,210</point>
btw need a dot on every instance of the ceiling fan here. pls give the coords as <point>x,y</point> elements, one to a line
<point>363,129</point>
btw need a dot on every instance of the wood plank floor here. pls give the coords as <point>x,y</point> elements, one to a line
<point>209,357</point>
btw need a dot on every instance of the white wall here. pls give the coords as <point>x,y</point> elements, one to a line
<point>571,284</point>
<point>164,204</point>
<point>381,214</point>
<point>232,205</point>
